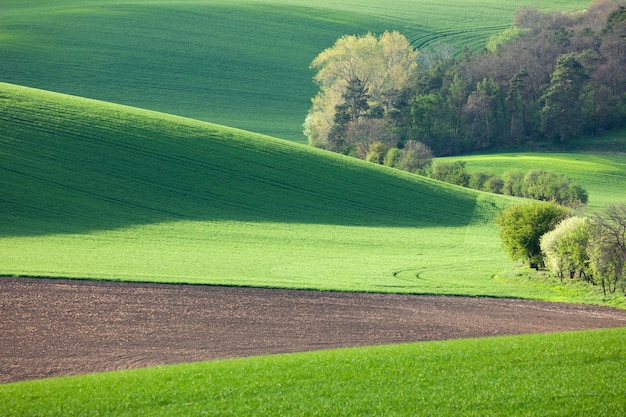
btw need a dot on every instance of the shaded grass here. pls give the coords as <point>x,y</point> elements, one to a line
<point>560,374</point>
<point>240,63</point>
<point>74,165</point>
<point>81,211</point>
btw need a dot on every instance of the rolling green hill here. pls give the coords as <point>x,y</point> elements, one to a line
<point>241,63</point>
<point>77,165</point>
<point>98,190</point>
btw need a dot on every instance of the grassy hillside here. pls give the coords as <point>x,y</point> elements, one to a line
<point>77,165</point>
<point>562,374</point>
<point>97,190</point>
<point>602,175</point>
<point>241,63</point>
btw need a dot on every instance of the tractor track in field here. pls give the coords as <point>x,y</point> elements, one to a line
<point>57,327</point>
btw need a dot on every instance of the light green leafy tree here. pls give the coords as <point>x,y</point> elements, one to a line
<point>393,157</point>
<point>565,248</point>
<point>383,67</point>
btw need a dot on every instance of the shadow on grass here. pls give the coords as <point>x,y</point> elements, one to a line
<point>72,166</point>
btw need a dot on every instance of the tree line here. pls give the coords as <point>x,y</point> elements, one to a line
<point>592,249</point>
<point>537,184</point>
<point>552,76</point>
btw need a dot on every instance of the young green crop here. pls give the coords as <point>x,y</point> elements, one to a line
<point>560,374</point>
<point>103,191</point>
<point>96,190</point>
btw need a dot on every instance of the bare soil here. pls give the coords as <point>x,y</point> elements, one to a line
<point>60,327</point>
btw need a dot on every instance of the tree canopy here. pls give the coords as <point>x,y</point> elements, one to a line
<point>360,78</point>
<point>552,76</point>
<point>594,248</point>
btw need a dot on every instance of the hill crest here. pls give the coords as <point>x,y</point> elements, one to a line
<point>73,164</point>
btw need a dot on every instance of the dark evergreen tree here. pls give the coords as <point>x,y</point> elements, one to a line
<point>516,100</point>
<point>562,112</point>
<point>354,105</point>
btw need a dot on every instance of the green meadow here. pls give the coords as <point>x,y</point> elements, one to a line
<point>603,175</point>
<point>241,63</point>
<point>104,191</point>
<point>96,190</point>
<point>560,374</point>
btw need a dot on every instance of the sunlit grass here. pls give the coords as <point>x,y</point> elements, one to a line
<point>103,191</point>
<point>602,175</point>
<point>95,190</point>
<point>561,374</point>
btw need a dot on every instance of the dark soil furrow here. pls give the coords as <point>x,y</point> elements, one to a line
<point>54,327</point>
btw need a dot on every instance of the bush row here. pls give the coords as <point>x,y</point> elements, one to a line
<point>537,184</point>
<point>592,249</point>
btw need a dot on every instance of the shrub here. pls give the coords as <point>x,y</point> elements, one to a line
<point>543,185</point>
<point>478,180</point>
<point>513,183</point>
<point>416,157</point>
<point>392,158</point>
<point>377,152</point>
<point>494,185</point>
<point>451,172</point>
<point>522,225</point>
<point>565,248</point>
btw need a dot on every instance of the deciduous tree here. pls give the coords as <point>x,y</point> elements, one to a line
<point>521,228</point>
<point>608,246</point>
<point>381,67</point>
<point>416,157</point>
<point>565,248</point>
<point>451,172</point>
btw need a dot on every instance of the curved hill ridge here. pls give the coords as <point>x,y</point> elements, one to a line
<point>71,164</point>
<point>242,63</point>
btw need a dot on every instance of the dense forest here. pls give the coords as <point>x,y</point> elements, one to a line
<point>552,76</point>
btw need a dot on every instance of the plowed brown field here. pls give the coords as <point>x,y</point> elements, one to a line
<point>66,327</point>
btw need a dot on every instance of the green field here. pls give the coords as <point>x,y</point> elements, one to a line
<point>241,63</point>
<point>602,175</point>
<point>91,189</point>
<point>561,374</point>
<point>96,190</point>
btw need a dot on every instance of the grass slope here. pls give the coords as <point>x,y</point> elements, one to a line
<point>241,63</point>
<point>71,156</point>
<point>562,374</point>
<point>96,190</point>
<point>602,175</point>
